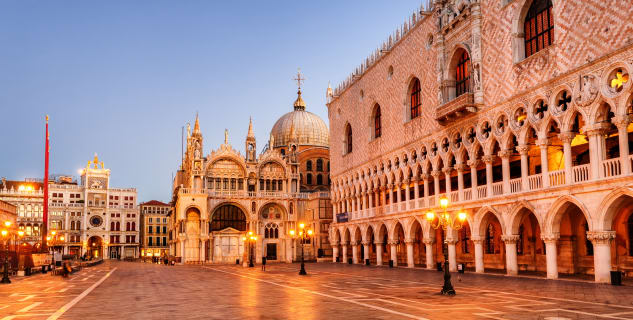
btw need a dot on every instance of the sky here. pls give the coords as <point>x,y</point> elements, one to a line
<point>121,78</point>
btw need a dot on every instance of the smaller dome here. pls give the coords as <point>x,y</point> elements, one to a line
<point>306,127</point>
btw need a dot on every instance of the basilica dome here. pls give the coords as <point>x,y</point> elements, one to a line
<point>309,129</point>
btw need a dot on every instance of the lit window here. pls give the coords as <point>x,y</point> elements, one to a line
<point>538,27</point>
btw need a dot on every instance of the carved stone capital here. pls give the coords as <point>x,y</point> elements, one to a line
<point>393,242</point>
<point>344,243</point>
<point>510,239</point>
<point>523,149</point>
<point>447,170</point>
<point>450,241</point>
<point>353,243</point>
<point>542,143</point>
<point>366,243</point>
<point>460,167</point>
<point>504,153</point>
<point>426,176</point>
<point>477,240</point>
<point>436,173</point>
<point>622,122</point>
<point>409,241</point>
<point>550,238</point>
<point>415,179</point>
<point>428,241</point>
<point>566,137</point>
<point>378,243</point>
<point>334,243</point>
<point>489,158</point>
<point>474,163</point>
<point>601,237</point>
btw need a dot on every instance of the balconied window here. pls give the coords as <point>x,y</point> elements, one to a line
<point>457,89</point>
<point>462,74</point>
<point>538,27</point>
<point>415,102</point>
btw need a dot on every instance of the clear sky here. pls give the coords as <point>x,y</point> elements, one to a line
<point>121,78</point>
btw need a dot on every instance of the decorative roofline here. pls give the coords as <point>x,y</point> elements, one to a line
<point>394,39</point>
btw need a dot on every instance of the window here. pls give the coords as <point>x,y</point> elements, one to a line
<point>462,74</point>
<point>348,138</point>
<point>309,165</point>
<point>319,180</point>
<point>228,216</point>
<point>490,239</point>
<point>150,229</point>
<point>271,231</point>
<point>538,27</point>
<point>149,241</point>
<point>164,241</point>
<point>319,165</point>
<point>377,123</point>
<point>309,178</point>
<point>415,98</point>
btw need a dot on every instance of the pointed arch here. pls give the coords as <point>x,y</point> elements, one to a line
<point>559,207</point>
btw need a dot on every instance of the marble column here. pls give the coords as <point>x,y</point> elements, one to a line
<point>447,178</point>
<point>428,243</point>
<point>378,253</point>
<point>623,139</point>
<point>596,151</point>
<point>505,169</point>
<point>473,178</point>
<point>366,254</point>
<point>416,188</point>
<point>394,253</point>
<point>334,251</point>
<point>479,254</point>
<point>460,167</point>
<point>543,145</point>
<point>344,248</point>
<point>426,178</point>
<point>489,159</point>
<point>601,254</point>
<point>410,258</point>
<point>566,138</point>
<point>523,151</point>
<point>551,254</point>
<point>436,185</point>
<point>354,252</point>
<point>512,265</point>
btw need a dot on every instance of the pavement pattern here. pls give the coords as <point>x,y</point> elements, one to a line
<point>133,290</point>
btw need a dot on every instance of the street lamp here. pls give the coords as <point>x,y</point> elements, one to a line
<point>250,238</point>
<point>445,221</point>
<point>303,235</point>
<point>6,236</point>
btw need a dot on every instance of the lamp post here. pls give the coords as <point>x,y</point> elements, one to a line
<point>302,236</point>
<point>445,221</point>
<point>6,236</point>
<point>250,238</point>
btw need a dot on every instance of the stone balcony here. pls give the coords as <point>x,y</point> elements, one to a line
<point>456,108</point>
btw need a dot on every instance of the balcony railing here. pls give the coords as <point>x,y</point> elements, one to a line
<point>232,194</point>
<point>455,108</point>
<point>559,178</point>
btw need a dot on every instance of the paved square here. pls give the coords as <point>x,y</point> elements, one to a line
<point>330,291</point>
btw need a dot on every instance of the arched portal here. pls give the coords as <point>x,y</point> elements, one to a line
<point>383,237</point>
<point>620,212</point>
<point>401,247</point>
<point>465,249</point>
<point>494,248</point>
<point>419,249</point>
<point>369,237</point>
<point>530,246</point>
<point>228,224</point>
<point>575,255</point>
<point>95,247</point>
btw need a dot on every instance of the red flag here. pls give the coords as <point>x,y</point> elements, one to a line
<point>45,214</point>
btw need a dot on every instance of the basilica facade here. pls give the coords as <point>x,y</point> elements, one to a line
<point>232,207</point>
<point>517,113</point>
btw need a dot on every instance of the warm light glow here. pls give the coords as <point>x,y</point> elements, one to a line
<point>292,232</point>
<point>447,217</point>
<point>430,216</point>
<point>250,233</point>
<point>309,232</point>
<point>53,232</point>
<point>444,202</point>
<point>7,224</point>
<point>4,233</point>
<point>300,233</point>
<point>521,117</point>
<point>619,80</point>
<point>461,216</point>
<point>61,238</point>
<point>80,171</point>
<point>243,238</point>
<point>301,225</point>
<point>20,233</point>
<point>255,238</point>
<point>48,238</point>
<point>25,188</point>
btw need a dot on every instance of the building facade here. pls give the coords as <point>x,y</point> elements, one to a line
<point>8,212</point>
<point>220,197</point>
<point>518,112</point>
<point>89,218</point>
<point>154,228</point>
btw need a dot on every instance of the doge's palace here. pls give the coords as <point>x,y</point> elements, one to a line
<point>518,112</point>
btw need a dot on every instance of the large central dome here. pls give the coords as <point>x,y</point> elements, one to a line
<point>309,129</point>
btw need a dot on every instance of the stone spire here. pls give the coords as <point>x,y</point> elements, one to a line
<point>196,126</point>
<point>250,129</point>
<point>329,93</point>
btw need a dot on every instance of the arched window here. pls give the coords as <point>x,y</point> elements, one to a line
<point>127,226</point>
<point>630,225</point>
<point>118,226</point>
<point>112,226</point>
<point>319,180</point>
<point>348,138</point>
<point>133,226</point>
<point>490,239</point>
<point>72,225</point>
<point>538,27</point>
<point>415,100</point>
<point>462,74</point>
<point>319,165</point>
<point>377,123</point>
<point>309,165</point>
<point>228,216</point>
<point>271,231</point>
<point>309,178</point>
<point>78,225</point>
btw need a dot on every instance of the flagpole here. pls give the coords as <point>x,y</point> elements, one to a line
<point>44,229</point>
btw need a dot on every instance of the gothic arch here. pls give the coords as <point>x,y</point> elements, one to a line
<point>609,206</point>
<point>478,226</point>
<point>558,208</point>
<point>520,210</point>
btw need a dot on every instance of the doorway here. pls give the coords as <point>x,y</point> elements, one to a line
<point>271,251</point>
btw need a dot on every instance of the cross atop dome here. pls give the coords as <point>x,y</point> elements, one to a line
<point>299,105</point>
<point>299,78</point>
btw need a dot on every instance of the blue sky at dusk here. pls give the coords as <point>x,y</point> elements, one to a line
<point>121,78</point>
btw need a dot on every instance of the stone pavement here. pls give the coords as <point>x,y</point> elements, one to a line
<point>330,291</point>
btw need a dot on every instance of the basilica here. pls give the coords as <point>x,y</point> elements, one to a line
<point>513,116</point>
<point>233,208</point>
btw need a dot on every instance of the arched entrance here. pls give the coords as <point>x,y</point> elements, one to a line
<point>419,250</point>
<point>192,229</point>
<point>530,246</point>
<point>369,236</point>
<point>619,218</point>
<point>228,224</point>
<point>494,248</point>
<point>575,255</point>
<point>401,246</point>
<point>383,249</point>
<point>95,247</point>
<point>465,249</point>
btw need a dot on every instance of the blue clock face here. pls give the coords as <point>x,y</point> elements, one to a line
<point>96,221</point>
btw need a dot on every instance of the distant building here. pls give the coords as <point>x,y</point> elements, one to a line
<point>88,218</point>
<point>154,228</point>
<point>8,212</point>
